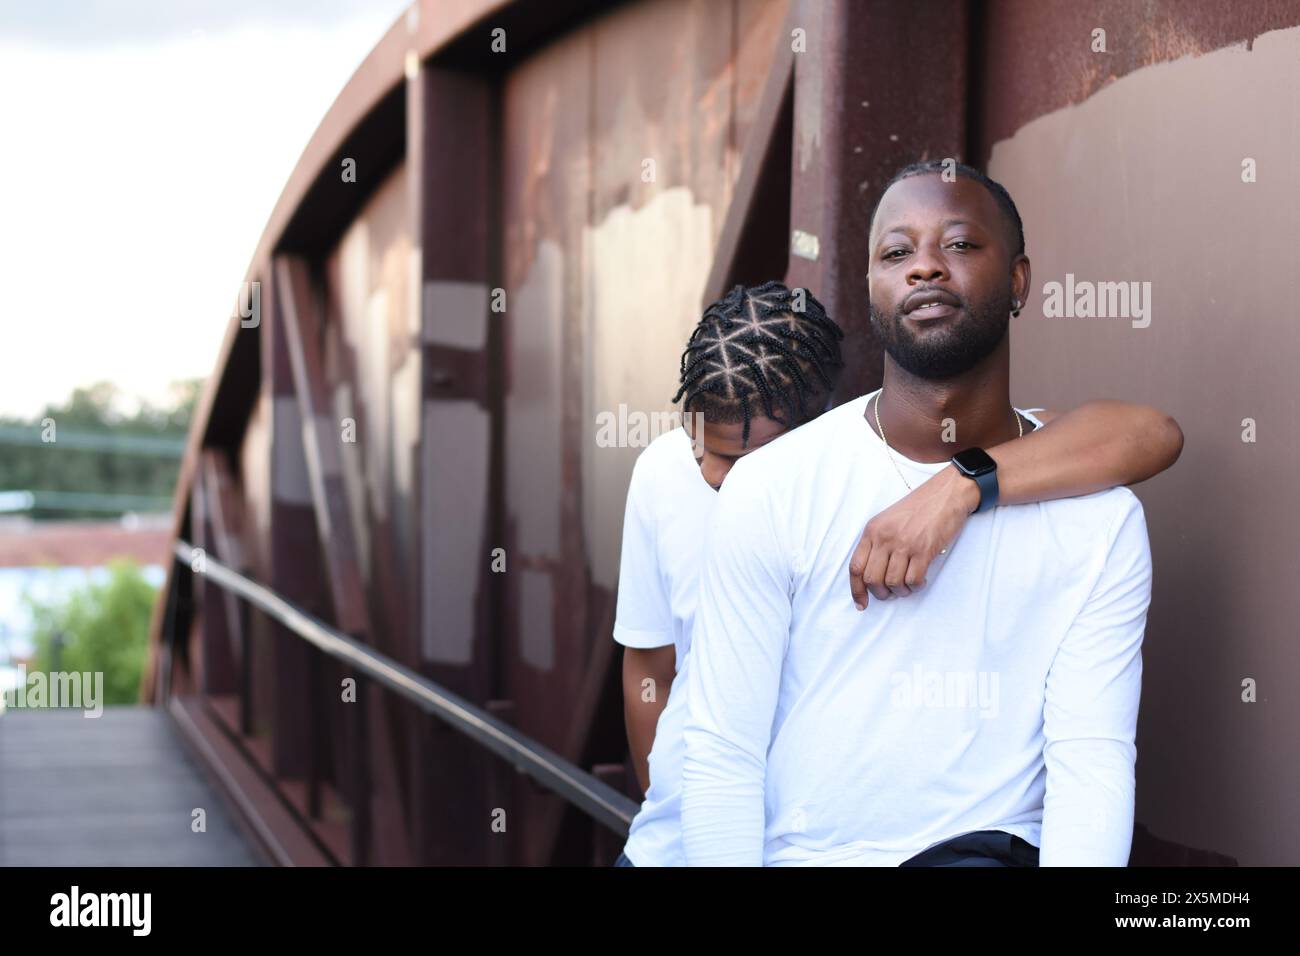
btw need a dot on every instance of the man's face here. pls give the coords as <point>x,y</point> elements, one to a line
<point>723,447</point>
<point>943,275</point>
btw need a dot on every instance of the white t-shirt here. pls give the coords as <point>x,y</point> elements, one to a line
<point>1002,696</point>
<point>668,508</point>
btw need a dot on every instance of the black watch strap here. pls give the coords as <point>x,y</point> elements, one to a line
<point>977,465</point>
<point>988,485</point>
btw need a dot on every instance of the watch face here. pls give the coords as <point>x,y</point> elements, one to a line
<point>974,462</point>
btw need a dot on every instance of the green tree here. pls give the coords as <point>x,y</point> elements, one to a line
<point>98,409</point>
<point>98,627</point>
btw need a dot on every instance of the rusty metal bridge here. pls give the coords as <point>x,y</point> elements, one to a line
<point>385,635</point>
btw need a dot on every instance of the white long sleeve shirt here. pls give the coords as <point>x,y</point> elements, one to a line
<point>668,507</point>
<point>1002,696</point>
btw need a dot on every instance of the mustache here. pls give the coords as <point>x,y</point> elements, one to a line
<point>897,309</point>
<point>929,293</point>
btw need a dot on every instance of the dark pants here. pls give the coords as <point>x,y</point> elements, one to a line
<point>981,848</point>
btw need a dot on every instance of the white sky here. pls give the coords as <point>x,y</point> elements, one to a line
<point>141,153</point>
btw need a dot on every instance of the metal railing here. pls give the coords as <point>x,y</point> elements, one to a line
<point>598,800</point>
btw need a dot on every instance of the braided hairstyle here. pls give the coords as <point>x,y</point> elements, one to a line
<point>755,353</point>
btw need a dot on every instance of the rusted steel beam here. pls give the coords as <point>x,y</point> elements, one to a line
<point>320,439</point>
<point>222,658</point>
<point>854,125</point>
<point>212,625</point>
<point>290,556</point>
<point>230,663</point>
<point>300,316</point>
<point>454,232</point>
<point>389,603</point>
<point>763,149</point>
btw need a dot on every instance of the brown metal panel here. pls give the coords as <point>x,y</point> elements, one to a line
<point>664,159</point>
<point>760,148</point>
<point>546,177</point>
<point>1141,182</point>
<point>371,743</point>
<point>759,26</point>
<point>856,121</point>
<point>255,479</point>
<point>320,433</point>
<point>764,148</point>
<point>457,491</point>
<point>385,581</point>
<point>283,703</point>
<point>1036,56</point>
<point>612,210</point>
<point>210,624</point>
<point>279,703</point>
<point>371,363</point>
<point>223,649</point>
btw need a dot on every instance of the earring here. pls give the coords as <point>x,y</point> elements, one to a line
<point>1015,309</point>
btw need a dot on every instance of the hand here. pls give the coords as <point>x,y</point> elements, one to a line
<point>898,545</point>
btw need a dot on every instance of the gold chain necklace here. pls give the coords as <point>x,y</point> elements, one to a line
<point>1020,425</point>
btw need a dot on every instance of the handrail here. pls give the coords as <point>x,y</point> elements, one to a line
<point>598,800</point>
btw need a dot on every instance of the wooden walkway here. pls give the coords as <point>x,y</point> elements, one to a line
<point>116,790</point>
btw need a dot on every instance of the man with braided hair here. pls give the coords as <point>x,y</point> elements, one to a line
<point>763,361</point>
<point>767,343</point>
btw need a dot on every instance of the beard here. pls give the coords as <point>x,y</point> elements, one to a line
<point>954,346</point>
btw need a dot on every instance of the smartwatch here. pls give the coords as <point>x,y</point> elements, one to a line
<point>976,465</point>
